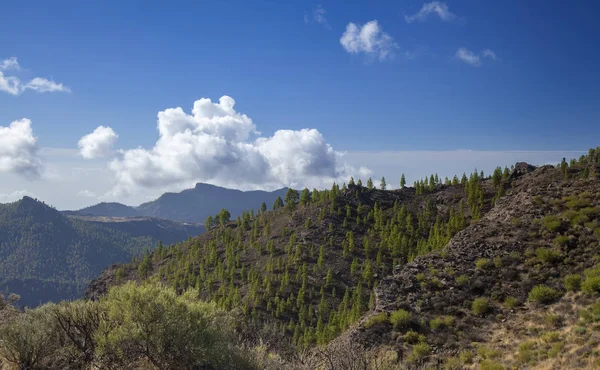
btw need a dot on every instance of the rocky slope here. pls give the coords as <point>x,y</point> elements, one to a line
<point>545,230</point>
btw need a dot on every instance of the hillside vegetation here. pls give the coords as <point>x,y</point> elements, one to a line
<point>477,271</point>
<point>46,256</point>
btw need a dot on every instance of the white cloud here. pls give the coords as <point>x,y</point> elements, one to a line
<point>368,39</point>
<point>10,63</point>
<point>98,144</point>
<point>14,86</point>
<point>73,173</point>
<point>43,85</point>
<point>14,196</point>
<point>11,85</point>
<point>435,7</point>
<point>214,144</point>
<point>487,53</point>
<point>472,58</point>
<point>18,149</point>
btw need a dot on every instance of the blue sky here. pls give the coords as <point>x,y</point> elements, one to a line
<point>126,61</point>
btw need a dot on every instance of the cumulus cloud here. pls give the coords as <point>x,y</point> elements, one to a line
<point>368,39</point>
<point>14,86</point>
<point>472,58</point>
<point>435,7</point>
<point>10,63</point>
<point>18,149</point>
<point>98,144</point>
<point>219,145</point>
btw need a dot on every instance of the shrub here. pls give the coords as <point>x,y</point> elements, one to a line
<point>420,277</point>
<point>556,349</point>
<point>487,353</point>
<point>525,354</point>
<point>551,337</point>
<point>511,302</point>
<point>591,285</point>
<point>411,337</point>
<point>548,255</point>
<point>561,240</point>
<point>553,321</point>
<point>400,318</point>
<point>490,365</point>
<point>466,356</point>
<point>482,263</point>
<point>377,319</point>
<point>29,339</point>
<point>462,279</point>
<point>420,351</point>
<point>480,306</point>
<point>543,294</point>
<point>498,261</point>
<point>178,331</point>
<point>551,223</point>
<point>452,363</point>
<point>436,322</point>
<point>579,330</point>
<point>440,321</point>
<point>573,282</point>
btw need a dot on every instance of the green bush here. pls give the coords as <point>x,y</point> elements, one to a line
<point>177,331</point>
<point>466,356</point>
<point>551,223</point>
<point>420,351</point>
<point>490,365</point>
<point>480,306</point>
<point>511,302</point>
<point>482,263</point>
<point>573,282</point>
<point>551,337</point>
<point>411,337</point>
<point>561,240</point>
<point>548,255</point>
<point>591,285</point>
<point>462,279</point>
<point>29,339</point>
<point>543,294</point>
<point>400,318</point>
<point>377,319</point>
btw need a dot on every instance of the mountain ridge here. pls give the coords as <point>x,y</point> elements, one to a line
<point>189,205</point>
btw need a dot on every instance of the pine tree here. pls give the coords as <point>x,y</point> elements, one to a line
<point>497,177</point>
<point>369,184</point>
<point>208,224</point>
<point>382,185</point>
<point>402,182</point>
<point>278,203</point>
<point>291,197</point>
<point>305,197</point>
<point>224,216</point>
<point>351,182</point>
<point>263,207</point>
